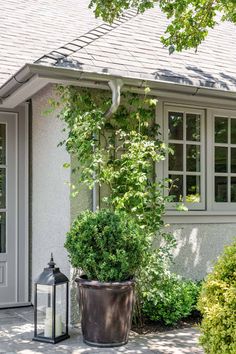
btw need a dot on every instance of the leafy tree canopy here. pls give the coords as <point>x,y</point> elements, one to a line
<point>190,19</point>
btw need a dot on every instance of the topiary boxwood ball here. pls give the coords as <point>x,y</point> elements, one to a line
<point>107,246</point>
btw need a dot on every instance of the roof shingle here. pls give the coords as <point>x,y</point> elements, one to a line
<point>29,29</point>
<point>66,34</point>
<point>135,47</point>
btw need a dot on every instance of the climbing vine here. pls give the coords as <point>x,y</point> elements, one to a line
<point>117,153</point>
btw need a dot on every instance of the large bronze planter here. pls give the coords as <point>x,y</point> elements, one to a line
<point>106,311</point>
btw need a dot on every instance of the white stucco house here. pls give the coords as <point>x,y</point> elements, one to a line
<point>43,43</point>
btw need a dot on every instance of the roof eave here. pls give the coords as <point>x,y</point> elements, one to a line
<point>32,77</point>
<point>15,81</point>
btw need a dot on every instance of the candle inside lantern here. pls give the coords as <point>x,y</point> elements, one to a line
<point>48,313</point>
<point>58,326</point>
<point>48,328</point>
<point>48,324</point>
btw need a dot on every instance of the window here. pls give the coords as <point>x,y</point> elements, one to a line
<point>224,177</point>
<point>184,132</point>
<point>202,166</point>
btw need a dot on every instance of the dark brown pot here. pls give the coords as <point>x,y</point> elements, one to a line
<point>106,311</point>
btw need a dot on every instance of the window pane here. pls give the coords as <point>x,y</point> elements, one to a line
<point>176,126</point>
<point>2,232</point>
<point>2,188</point>
<point>2,144</point>
<point>221,159</point>
<point>221,194</point>
<point>60,309</point>
<point>221,130</point>
<point>193,158</point>
<point>233,131</point>
<point>233,189</point>
<point>193,125</point>
<point>176,187</point>
<point>193,189</point>
<point>233,160</point>
<point>44,310</point>
<point>176,160</point>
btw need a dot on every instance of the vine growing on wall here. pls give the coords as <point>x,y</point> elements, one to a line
<point>119,153</point>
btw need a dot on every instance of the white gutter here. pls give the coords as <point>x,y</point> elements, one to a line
<point>32,77</point>
<point>115,86</point>
<point>24,92</point>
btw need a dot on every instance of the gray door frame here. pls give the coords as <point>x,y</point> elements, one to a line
<point>21,297</point>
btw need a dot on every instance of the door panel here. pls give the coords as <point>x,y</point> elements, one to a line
<point>8,208</point>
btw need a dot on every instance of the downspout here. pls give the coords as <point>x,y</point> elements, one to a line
<point>115,86</point>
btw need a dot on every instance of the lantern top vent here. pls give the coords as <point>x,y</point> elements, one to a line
<point>51,275</point>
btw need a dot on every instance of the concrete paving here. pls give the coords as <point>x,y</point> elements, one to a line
<point>16,331</point>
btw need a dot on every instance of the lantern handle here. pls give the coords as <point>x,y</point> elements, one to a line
<point>51,263</point>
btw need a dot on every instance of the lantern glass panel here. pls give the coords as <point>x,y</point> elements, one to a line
<point>61,307</point>
<point>44,311</point>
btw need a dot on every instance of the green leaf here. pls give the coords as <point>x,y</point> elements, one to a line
<point>181,207</point>
<point>66,165</point>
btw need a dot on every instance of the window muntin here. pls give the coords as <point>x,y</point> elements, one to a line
<point>224,160</point>
<point>184,132</point>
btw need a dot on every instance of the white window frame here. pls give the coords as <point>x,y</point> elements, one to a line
<point>185,110</point>
<point>213,205</point>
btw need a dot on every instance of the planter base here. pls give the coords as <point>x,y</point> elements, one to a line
<point>104,345</point>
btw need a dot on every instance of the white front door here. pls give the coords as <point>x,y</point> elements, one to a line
<point>10,262</point>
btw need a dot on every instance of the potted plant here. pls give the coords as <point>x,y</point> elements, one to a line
<point>109,247</point>
<point>116,156</point>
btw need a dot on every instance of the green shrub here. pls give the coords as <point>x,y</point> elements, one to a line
<point>107,246</point>
<point>165,296</point>
<point>217,304</point>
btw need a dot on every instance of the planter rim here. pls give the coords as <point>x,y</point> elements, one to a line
<point>98,284</point>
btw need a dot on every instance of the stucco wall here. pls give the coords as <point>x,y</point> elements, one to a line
<point>53,209</point>
<point>50,193</point>
<point>199,245</point>
<point>79,203</point>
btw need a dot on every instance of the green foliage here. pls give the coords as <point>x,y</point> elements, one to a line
<point>118,153</point>
<point>107,246</point>
<point>190,19</point>
<point>165,296</point>
<point>217,304</point>
<point>110,10</point>
<point>121,153</point>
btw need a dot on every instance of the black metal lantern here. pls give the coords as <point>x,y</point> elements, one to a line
<point>51,305</point>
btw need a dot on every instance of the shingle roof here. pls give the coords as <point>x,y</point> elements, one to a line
<point>31,28</point>
<point>59,55</point>
<point>130,47</point>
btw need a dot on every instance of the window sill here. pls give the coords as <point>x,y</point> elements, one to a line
<point>200,217</point>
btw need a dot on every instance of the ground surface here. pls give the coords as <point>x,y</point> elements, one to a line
<point>149,326</point>
<point>16,331</point>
